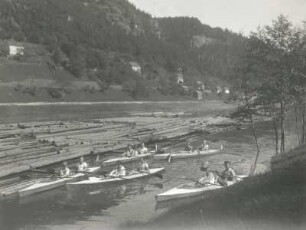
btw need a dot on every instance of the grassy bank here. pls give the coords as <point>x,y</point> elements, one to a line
<point>274,200</point>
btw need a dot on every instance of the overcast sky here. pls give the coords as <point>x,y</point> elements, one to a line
<point>237,15</point>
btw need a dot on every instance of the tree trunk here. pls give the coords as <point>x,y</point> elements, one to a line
<point>253,167</point>
<point>282,126</point>
<point>303,114</point>
<point>275,132</point>
<point>297,124</point>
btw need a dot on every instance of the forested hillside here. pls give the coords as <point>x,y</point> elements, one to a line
<point>97,40</point>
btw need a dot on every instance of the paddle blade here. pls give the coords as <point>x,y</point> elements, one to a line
<point>160,176</point>
<point>158,185</point>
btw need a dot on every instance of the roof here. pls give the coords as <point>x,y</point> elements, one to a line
<point>134,64</point>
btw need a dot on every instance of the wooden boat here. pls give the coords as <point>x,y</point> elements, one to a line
<point>185,154</point>
<point>49,184</point>
<point>107,181</point>
<point>189,190</point>
<point>113,161</point>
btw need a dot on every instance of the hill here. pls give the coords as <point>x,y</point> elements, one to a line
<point>97,40</point>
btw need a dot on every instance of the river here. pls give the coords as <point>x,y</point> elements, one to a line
<point>28,112</point>
<point>119,206</point>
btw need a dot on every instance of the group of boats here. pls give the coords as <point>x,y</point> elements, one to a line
<point>88,178</point>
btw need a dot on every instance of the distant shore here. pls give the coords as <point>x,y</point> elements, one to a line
<point>94,103</point>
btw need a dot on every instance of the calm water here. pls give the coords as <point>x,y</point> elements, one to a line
<point>16,113</point>
<point>117,206</point>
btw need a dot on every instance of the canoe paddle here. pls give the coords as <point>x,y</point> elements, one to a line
<point>158,185</point>
<point>169,158</point>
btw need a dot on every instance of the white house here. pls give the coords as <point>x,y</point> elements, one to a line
<point>200,85</point>
<point>227,90</point>
<point>180,77</point>
<point>199,95</point>
<point>136,67</point>
<point>219,89</point>
<point>16,50</point>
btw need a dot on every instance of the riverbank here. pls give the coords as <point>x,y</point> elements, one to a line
<point>273,200</point>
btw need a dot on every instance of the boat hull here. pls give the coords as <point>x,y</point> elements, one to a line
<point>94,181</point>
<point>179,193</point>
<point>185,154</point>
<point>189,190</point>
<point>52,184</point>
<point>114,161</point>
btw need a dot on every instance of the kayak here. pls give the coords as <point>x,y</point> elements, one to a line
<point>189,190</point>
<point>11,191</point>
<point>185,154</point>
<point>114,161</point>
<point>49,184</point>
<point>108,181</point>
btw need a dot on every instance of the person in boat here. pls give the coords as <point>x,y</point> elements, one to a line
<point>204,146</point>
<point>143,166</point>
<point>208,178</point>
<point>158,149</point>
<point>65,171</point>
<point>227,175</point>
<point>143,149</point>
<point>120,171</point>
<point>82,166</point>
<point>130,152</point>
<point>188,147</point>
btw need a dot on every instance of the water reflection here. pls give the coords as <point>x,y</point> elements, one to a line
<point>60,206</point>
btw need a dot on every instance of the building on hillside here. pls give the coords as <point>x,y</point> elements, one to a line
<point>199,95</point>
<point>219,89</point>
<point>227,90</point>
<point>200,85</point>
<point>135,67</point>
<point>180,77</point>
<point>185,87</point>
<point>207,91</point>
<point>15,50</point>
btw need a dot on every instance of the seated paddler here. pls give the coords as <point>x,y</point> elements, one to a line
<point>119,171</point>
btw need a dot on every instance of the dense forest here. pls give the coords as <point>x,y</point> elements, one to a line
<point>97,39</point>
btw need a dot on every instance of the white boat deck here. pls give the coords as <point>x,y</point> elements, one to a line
<point>52,184</point>
<point>189,190</point>
<point>97,180</point>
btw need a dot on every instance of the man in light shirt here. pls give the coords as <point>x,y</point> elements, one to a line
<point>82,165</point>
<point>65,172</point>
<point>120,171</point>
<point>143,149</point>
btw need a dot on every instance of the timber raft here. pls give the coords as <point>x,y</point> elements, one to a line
<point>39,144</point>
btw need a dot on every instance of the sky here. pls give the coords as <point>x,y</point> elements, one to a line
<point>241,16</point>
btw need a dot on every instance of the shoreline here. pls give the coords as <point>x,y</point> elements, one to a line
<point>100,103</point>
